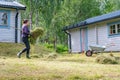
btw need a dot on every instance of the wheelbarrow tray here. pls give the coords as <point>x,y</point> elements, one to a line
<point>97,48</point>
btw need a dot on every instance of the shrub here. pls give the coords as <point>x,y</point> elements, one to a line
<point>106,59</point>
<point>50,46</point>
<point>61,49</point>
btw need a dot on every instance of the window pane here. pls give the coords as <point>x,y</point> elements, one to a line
<point>118,28</point>
<point>3,18</point>
<point>112,29</point>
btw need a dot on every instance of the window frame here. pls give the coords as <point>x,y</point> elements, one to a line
<point>111,29</point>
<point>8,19</point>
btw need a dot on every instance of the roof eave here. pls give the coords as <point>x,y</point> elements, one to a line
<point>91,23</point>
<point>13,7</point>
<point>104,20</point>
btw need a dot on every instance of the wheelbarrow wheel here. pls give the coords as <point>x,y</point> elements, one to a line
<point>89,53</point>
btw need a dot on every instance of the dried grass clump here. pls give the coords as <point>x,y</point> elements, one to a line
<point>37,56</point>
<point>52,56</point>
<point>111,55</point>
<point>36,33</point>
<point>102,59</point>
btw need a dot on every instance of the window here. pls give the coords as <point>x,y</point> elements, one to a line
<point>114,29</point>
<point>3,18</point>
<point>118,28</point>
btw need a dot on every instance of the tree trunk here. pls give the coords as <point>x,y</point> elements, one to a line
<point>30,20</point>
<point>30,16</point>
<point>37,20</point>
<point>55,43</point>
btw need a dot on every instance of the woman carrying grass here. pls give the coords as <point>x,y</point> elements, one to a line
<point>25,36</point>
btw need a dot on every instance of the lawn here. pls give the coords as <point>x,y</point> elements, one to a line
<point>64,67</point>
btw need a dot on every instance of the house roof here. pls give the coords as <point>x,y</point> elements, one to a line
<point>93,20</point>
<point>12,5</point>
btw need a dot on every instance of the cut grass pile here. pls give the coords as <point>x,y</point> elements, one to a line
<point>106,59</point>
<point>52,56</point>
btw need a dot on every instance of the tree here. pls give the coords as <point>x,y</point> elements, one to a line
<point>53,15</point>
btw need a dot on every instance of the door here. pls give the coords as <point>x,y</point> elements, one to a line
<point>75,41</point>
<point>84,39</point>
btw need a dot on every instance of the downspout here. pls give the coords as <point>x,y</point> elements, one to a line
<point>69,37</point>
<point>16,26</point>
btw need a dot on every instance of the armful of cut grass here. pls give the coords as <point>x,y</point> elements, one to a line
<point>36,33</point>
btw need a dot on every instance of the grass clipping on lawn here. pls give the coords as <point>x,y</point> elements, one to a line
<point>106,59</point>
<point>35,34</point>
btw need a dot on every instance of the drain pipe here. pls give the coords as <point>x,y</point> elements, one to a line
<point>69,37</point>
<point>16,26</point>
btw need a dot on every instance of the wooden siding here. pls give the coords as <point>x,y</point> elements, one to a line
<point>97,34</point>
<point>112,43</point>
<point>91,36</point>
<point>75,40</point>
<point>19,27</point>
<point>8,34</point>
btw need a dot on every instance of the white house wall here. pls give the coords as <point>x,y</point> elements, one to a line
<point>19,27</point>
<point>112,43</point>
<point>8,34</point>
<point>97,35</point>
<point>103,34</point>
<point>75,40</point>
<point>91,35</point>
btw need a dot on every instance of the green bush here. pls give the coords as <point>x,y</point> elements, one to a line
<point>50,46</point>
<point>59,49</point>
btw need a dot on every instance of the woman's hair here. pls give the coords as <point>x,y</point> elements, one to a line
<point>25,21</point>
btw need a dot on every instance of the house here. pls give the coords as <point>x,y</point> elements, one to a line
<point>101,30</point>
<point>10,21</point>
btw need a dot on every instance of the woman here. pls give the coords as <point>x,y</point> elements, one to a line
<point>25,36</point>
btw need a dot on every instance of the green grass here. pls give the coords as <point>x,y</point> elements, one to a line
<point>64,67</point>
<point>11,49</point>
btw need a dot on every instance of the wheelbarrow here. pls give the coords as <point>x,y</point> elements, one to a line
<point>94,49</point>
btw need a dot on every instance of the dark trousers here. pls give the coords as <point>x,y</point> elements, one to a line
<point>27,48</point>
